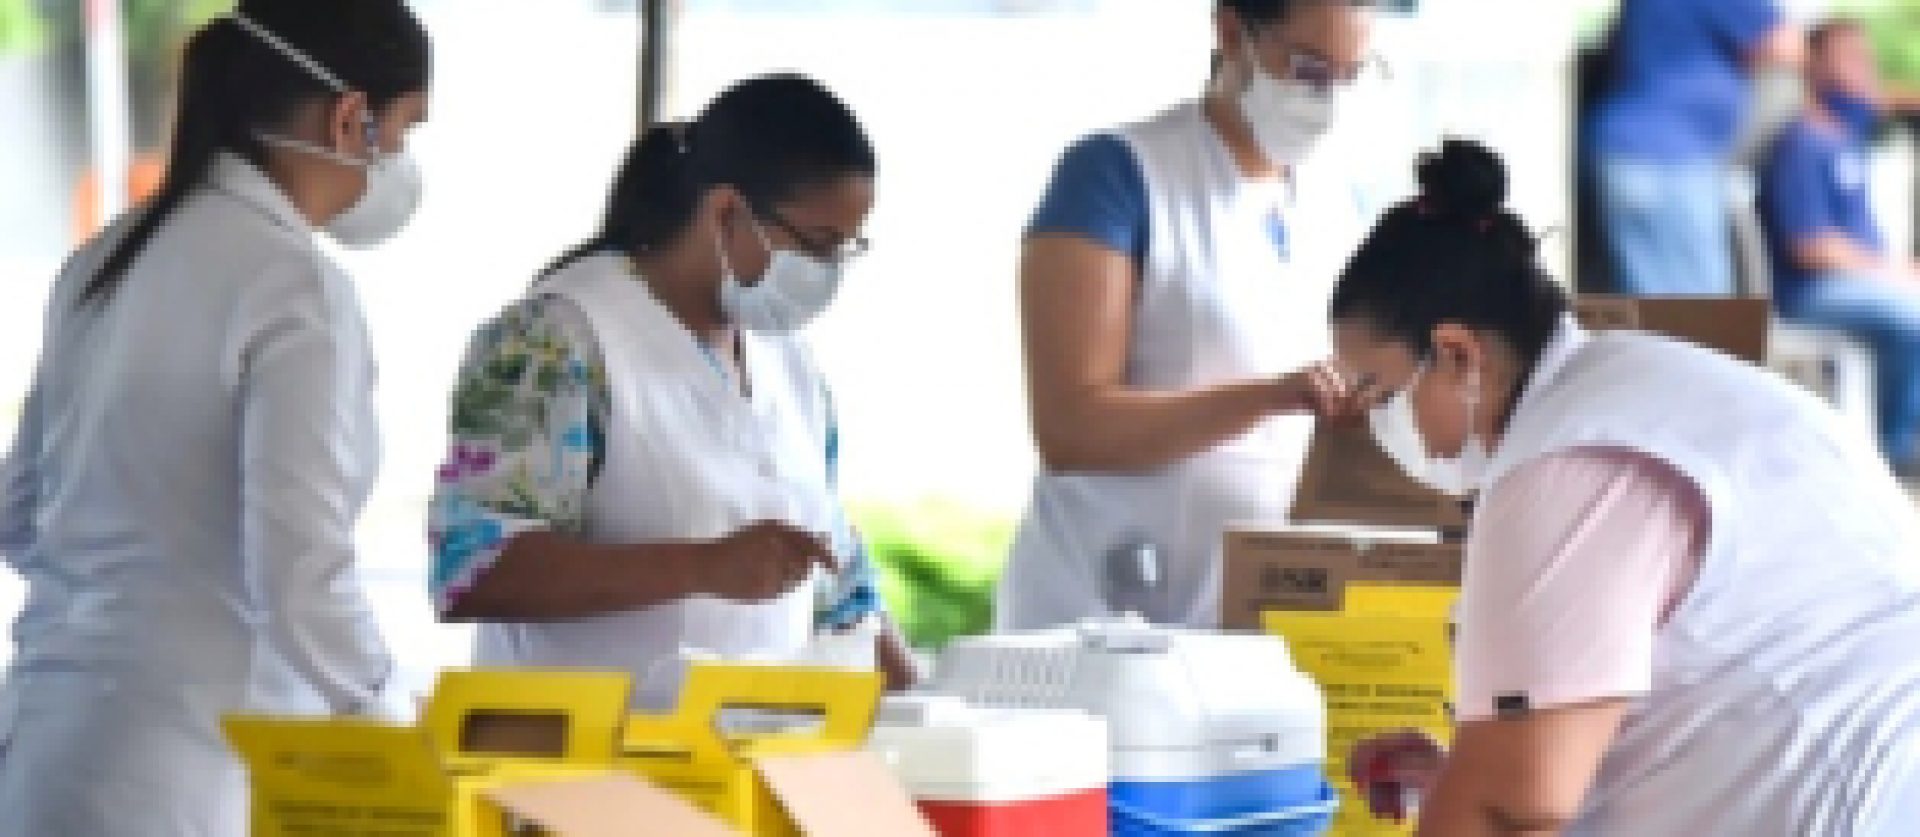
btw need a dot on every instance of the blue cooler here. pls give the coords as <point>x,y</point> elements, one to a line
<point>1211,733</point>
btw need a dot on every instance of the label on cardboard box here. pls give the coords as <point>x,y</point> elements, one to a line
<point>1380,674</point>
<point>1269,570</point>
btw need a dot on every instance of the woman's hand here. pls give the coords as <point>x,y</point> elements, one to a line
<point>1318,389</point>
<point>761,562</point>
<point>1394,770</point>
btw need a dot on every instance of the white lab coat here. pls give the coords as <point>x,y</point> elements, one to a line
<point>1785,691</point>
<point>688,458</point>
<point>180,499</point>
<point>1217,301</point>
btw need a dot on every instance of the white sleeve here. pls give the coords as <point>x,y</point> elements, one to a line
<point>303,384</point>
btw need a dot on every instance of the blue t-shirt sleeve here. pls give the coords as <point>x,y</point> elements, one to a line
<point>1098,192</point>
<point>1742,23</point>
<point>1794,190</point>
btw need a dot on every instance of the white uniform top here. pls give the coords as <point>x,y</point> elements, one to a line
<point>180,500</point>
<point>1217,301</point>
<point>688,457</point>
<point>1786,691</point>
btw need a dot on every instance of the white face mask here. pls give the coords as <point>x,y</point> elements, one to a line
<point>795,290</point>
<point>394,184</point>
<point>1396,427</point>
<point>383,209</point>
<point>1288,118</point>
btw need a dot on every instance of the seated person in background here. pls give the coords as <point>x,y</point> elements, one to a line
<point>1831,265</point>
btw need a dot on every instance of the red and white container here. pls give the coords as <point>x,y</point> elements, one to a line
<point>980,772</point>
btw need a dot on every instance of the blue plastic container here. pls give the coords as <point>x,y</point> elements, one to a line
<point>1286,802</point>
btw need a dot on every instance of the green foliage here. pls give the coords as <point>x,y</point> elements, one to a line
<point>21,26</point>
<point>153,28</point>
<point>1895,27</point>
<point>938,563</point>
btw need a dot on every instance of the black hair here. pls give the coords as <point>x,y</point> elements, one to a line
<point>234,85</point>
<point>771,137</point>
<point>1454,254</point>
<point>1268,12</point>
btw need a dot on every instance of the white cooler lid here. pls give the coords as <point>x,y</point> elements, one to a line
<point>945,750</point>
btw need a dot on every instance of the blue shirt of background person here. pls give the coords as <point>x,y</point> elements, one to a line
<point>1677,84</point>
<point>1099,192</point>
<point>1815,182</point>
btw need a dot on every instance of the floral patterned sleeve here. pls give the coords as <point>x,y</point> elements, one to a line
<point>523,444</point>
<point>526,442</point>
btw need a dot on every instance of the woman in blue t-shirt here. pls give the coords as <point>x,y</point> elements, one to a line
<point>1173,313</point>
<point>1672,115</point>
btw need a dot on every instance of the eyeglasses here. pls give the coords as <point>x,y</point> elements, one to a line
<point>845,251</point>
<point>1322,75</point>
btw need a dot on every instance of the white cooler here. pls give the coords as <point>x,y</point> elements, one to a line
<point>984,772</point>
<point>1210,732</point>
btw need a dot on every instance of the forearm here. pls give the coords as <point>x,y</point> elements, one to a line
<point>547,576</point>
<point>1123,429</point>
<point>1455,809</point>
<point>1833,253</point>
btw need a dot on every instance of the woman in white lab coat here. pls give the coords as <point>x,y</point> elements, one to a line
<point>643,451</point>
<point>1689,601</point>
<point>181,494</point>
<point>1171,291</point>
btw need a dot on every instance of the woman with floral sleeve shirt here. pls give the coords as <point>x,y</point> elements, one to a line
<point>643,453</point>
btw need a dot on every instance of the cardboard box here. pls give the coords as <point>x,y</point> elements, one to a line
<point>351,777</point>
<point>810,780</point>
<point>1381,672</point>
<point>519,754</point>
<point>1737,326</point>
<point>1347,478</point>
<point>1270,569</point>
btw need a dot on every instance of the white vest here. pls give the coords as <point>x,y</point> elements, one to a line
<point>687,457</point>
<point>1216,302</point>
<point>1786,690</point>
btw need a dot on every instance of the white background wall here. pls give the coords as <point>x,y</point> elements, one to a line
<point>531,113</point>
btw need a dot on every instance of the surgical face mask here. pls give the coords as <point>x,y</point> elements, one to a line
<point>795,290</point>
<point>1396,428</point>
<point>383,209</point>
<point>394,185</point>
<point>1288,118</point>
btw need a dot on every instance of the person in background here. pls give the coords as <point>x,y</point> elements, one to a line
<point>1690,595</point>
<point>199,439</point>
<point>1831,263</point>
<point>1689,85</point>
<point>643,451</point>
<point>1169,305</point>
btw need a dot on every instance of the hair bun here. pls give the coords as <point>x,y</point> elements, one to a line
<point>1463,179</point>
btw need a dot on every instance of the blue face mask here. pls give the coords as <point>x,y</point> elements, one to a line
<point>1857,113</point>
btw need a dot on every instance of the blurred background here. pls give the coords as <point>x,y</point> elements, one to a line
<point>970,103</point>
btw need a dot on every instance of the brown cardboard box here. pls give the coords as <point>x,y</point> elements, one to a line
<point>1734,326</point>
<point>1348,479</point>
<point>1272,569</point>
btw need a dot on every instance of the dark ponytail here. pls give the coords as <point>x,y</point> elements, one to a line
<point>233,86</point>
<point>1454,254</point>
<point>652,201</point>
<point>771,137</point>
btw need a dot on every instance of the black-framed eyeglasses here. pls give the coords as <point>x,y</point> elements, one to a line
<point>845,251</point>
